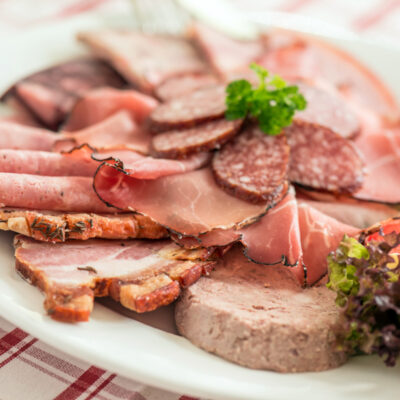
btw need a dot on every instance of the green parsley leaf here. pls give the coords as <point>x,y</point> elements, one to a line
<point>273,103</point>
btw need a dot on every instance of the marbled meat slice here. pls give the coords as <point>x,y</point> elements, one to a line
<point>99,104</point>
<point>50,94</point>
<point>381,152</point>
<point>261,318</point>
<point>329,110</point>
<point>182,85</point>
<point>14,135</point>
<point>253,166</point>
<point>190,203</point>
<point>199,106</point>
<point>224,53</point>
<point>53,226</point>
<point>144,60</point>
<point>207,136</point>
<point>142,275</point>
<point>322,159</point>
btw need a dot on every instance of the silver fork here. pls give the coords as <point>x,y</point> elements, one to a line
<point>160,16</point>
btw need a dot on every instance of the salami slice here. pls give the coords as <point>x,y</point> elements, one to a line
<point>207,136</point>
<point>202,105</point>
<point>253,167</point>
<point>322,159</point>
<point>182,85</point>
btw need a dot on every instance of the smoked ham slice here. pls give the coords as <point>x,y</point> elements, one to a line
<point>144,60</point>
<point>14,135</point>
<point>99,104</point>
<point>226,55</point>
<point>50,94</point>
<point>142,275</point>
<point>53,226</point>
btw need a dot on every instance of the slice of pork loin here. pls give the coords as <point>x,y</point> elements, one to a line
<point>50,94</point>
<point>53,226</point>
<point>142,275</point>
<point>260,317</point>
<point>144,60</point>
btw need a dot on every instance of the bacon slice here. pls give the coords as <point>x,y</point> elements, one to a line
<point>320,235</point>
<point>322,159</point>
<point>144,60</point>
<point>50,94</point>
<point>203,137</point>
<point>99,104</point>
<point>141,275</point>
<point>225,54</point>
<point>253,166</point>
<point>182,85</point>
<point>119,131</point>
<point>17,136</point>
<point>53,226</point>
<point>200,106</point>
<point>189,203</point>
<point>381,152</point>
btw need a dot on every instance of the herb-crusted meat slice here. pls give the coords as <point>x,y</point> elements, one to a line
<point>207,136</point>
<point>253,166</point>
<point>185,111</point>
<point>142,275</point>
<point>322,159</point>
<point>52,226</point>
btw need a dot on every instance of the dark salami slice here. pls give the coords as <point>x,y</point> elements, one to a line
<point>253,166</point>
<point>185,111</point>
<point>322,159</point>
<point>326,109</point>
<point>203,137</point>
<point>183,85</point>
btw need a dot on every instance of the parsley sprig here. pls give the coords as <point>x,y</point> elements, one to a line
<point>272,103</point>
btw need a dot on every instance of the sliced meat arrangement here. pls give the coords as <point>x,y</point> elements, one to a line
<point>141,275</point>
<point>185,111</point>
<point>99,104</point>
<point>261,318</point>
<point>50,94</point>
<point>53,226</point>
<point>207,136</point>
<point>144,60</point>
<point>182,85</point>
<point>322,159</point>
<point>14,135</point>
<point>226,55</point>
<point>253,166</point>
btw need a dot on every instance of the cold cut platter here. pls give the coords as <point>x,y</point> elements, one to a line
<point>253,184</point>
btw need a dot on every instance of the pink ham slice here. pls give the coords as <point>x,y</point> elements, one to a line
<point>189,203</point>
<point>119,131</point>
<point>50,94</point>
<point>225,54</point>
<point>22,137</point>
<point>99,104</point>
<point>381,152</point>
<point>144,60</point>
<point>141,275</point>
<point>46,163</point>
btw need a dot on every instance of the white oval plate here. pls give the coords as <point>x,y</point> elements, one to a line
<point>145,353</point>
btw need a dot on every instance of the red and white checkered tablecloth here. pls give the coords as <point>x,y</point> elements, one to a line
<point>32,370</point>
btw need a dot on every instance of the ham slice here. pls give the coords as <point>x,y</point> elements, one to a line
<point>189,203</point>
<point>381,152</point>
<point>119,131</point>
<point>16,136</point>
<point>144,60</point>
<point>99,104</point>
<point>50,94</point>
<point>226,55</point>
<point>141,275</point>
<point>53,226</point>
